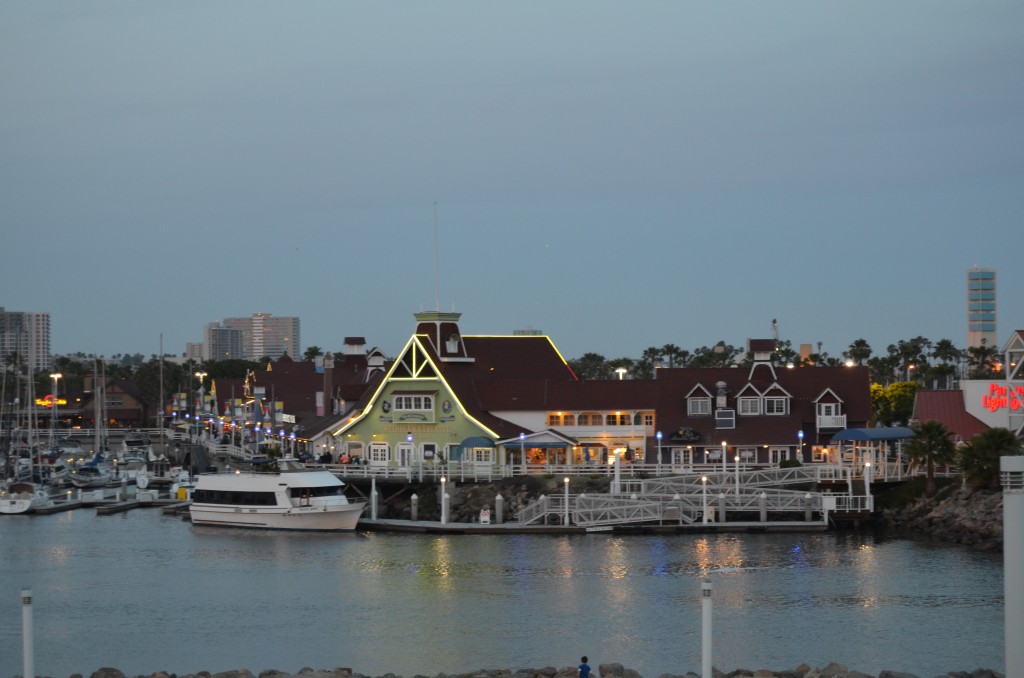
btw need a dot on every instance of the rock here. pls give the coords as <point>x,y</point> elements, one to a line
<point>107,673</point>
<point>833,670</point>
<point>896,674</point>
<point>239,673</point>
<point>612,670</point>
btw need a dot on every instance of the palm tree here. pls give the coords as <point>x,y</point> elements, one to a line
<point>674,354</point>
<point>859,351</point>
<point>979,459</point>
<point>931,444</point>
<point>312,353</point>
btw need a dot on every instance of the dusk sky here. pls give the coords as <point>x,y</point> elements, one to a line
<point>616,174</point>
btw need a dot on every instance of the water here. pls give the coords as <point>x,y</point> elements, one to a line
<point>144,592</point>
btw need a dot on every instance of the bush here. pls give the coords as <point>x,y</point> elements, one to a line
<point>790,463</point>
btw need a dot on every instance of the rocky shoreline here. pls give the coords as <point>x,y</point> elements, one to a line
<point>603,671</point>
<point>964,515</point>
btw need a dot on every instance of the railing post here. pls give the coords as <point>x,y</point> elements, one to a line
<point>28,659</point>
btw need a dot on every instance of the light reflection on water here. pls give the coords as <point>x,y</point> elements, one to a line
<point>143,592</point>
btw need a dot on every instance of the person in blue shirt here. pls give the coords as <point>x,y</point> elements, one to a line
<point>584,668</point>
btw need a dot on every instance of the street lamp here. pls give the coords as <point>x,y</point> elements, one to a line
<point>522,450</point>
<point>408,465</point>
<point>444,504</point>
<point>737,473</point>
<point>621,371</point>
<point>200,375</point>
<point>658,436</point>
<point>56,408</point>
<point>704,497</point>
<point>800,445</point>
<point>725,461</point>
<point>565,519</point>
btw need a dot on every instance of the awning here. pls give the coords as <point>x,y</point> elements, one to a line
<point>476,441</point>
<point>873,434</point>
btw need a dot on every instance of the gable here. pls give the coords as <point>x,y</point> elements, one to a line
<point>414,363</point>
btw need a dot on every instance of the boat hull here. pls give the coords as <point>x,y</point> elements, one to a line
<point>340,518</point>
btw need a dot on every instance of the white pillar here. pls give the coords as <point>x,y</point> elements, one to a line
<point>373,498</point>
<point>28,662</point>
<point>444,501</point>
<point>617,487</point>
<point>1012,474</point>
<point>704,497</point>
<point>565,517</point>
<point>705,636</point>
<point>867,485</point>
<point>737,474</point>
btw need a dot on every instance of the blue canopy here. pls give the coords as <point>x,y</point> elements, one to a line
<point>871,434</point>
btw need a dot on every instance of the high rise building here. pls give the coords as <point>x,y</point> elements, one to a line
<point>981,308</point>
<point>262,334</point>
<point>28,335</point>
<point>222,343</point>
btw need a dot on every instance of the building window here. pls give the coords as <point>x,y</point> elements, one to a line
<point>380,453</point>
<point>590,419</point>
<point>481,455</point>
<point>414,402</point>
<point>354,449</point>
<point>568,420</point>
<point>828,409</point>
<point>648,419</point>
<point>698,407</point>
<point>725,419</point>
<point>554,420</point>
<point>617,420</point>
<point>776,406</point>
<point>750,406</point>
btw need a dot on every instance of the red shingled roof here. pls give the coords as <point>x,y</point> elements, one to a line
<point>947,407</point>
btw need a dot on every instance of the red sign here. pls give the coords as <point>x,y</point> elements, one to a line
<point>1000,397</point>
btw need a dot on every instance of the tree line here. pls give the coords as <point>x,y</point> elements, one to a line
<point>919,360</point>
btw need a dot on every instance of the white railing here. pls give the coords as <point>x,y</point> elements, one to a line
<point>836,421</point>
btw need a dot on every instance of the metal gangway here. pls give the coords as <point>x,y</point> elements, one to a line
<point>708,497</point>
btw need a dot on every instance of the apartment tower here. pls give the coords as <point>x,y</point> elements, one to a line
<point>981,308</point>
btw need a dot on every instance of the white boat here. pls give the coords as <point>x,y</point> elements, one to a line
<point>157,473</point>
<point>291,498</point>
<point>23,497</point>
<point>91,475</point>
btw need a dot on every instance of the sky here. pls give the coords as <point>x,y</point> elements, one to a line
<point>618,175</point>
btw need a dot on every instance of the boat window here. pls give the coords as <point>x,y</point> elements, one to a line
<point>328,491</point>
<point>234,497</point>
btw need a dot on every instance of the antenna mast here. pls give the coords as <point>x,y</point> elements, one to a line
<point>437,271</point>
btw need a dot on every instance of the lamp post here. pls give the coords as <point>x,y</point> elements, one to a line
<point>737,473</point>
<point>704,497</point>
<point>56,408</point>
<point>408,466</point>
<point>200,375</point>
<point>522,451</point>
<point>621,371</point>
<point>867,484</point>
<point>444,504</point>
<point>658,436</point>
<point>565,518</point>
<point>725,461</point>
<point>800,445</point>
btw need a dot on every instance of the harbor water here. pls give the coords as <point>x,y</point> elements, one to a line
<point>145,592</point>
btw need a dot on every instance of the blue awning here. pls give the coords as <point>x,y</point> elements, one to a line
<point>873,434</point>
<point>476,441</point>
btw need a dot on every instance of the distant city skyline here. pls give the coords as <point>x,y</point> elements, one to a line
<point>616,175</point>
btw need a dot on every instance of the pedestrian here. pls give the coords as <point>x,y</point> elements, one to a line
<point>584,668</point>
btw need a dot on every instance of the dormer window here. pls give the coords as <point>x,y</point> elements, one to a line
<point>776,406</point>
<point>414,403</point>
<point>698,407</point>
<point>750,406</point>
